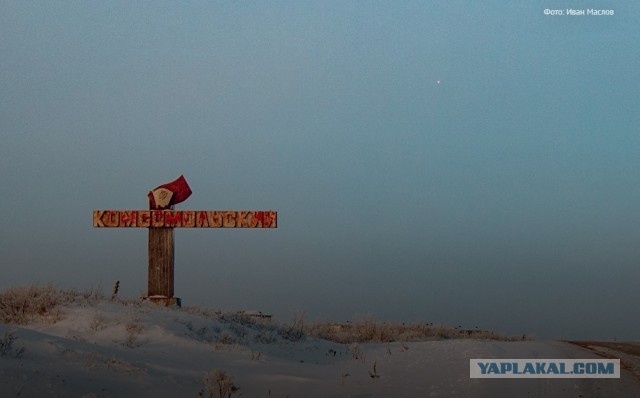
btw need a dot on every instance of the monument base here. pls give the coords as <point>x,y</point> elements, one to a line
<point>165,301</point>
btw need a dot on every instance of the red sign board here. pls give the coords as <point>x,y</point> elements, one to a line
<point>184,219</point>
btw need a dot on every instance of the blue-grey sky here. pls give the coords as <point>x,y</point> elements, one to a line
<point>506,196</point>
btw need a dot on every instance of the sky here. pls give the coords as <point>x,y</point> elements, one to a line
<point>459,162</point>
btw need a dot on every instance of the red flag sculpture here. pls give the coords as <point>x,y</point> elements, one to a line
<point>169,194</point>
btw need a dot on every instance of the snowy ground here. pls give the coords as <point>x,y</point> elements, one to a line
<point>111,350</point>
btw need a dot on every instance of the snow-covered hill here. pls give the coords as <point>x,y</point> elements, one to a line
<point>115,349</point>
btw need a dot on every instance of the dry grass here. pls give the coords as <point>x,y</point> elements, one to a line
<point>372,331</point>
<point>133,328</point>
<point>218,384</point>
<point>23,304</point>
<point>98,322</point>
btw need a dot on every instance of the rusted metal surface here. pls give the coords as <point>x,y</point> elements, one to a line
<point>161,256</point>
<point>184,219</point>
